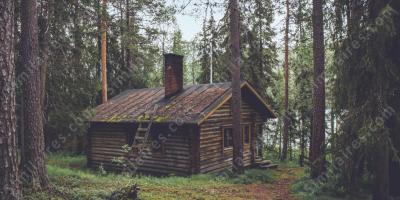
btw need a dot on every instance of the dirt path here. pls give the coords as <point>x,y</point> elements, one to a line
<point>279,190</point>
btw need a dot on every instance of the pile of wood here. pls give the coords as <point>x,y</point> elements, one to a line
<point>265,164</point>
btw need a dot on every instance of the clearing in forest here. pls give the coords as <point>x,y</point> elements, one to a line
<point>71,180</point>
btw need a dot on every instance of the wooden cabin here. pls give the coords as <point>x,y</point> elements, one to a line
<point>183,130</point>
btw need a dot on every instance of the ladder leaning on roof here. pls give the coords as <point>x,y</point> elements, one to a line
<point>141,141</point>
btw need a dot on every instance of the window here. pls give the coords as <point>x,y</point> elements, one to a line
<point>157,148</point>
<point>228,137</point>
<point>246,134</point>
<point>158,145</point>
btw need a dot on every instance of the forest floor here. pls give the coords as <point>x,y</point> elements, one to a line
<point>71,180</point>
<point>277,190</point>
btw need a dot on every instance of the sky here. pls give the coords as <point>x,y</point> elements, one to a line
<point>190,20</point>
<point>189,26</point>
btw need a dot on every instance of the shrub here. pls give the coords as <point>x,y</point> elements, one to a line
<point>254,176</point>
<point>130,192</point>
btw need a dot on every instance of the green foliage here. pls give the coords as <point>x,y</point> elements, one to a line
<point>254,176</point>
<point>259,52</point>
<point>69,182</point>
<point>367,74</point>
<point>308,189</point>
<point>66,160</point>
<point>73,74</point>
<point>127,193</point>
<point>177,46</point>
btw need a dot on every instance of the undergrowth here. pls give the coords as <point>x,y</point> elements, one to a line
<point>306,188</point>
<point>71,180</point>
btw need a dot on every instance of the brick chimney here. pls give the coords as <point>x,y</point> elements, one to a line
<point>173,74</point>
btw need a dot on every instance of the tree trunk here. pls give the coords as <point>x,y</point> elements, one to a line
<point>77,63</point>
<point>286,120</point>
<point>129,41</point>
<point>44,38</point>
<point>99,24</point>
<point>104,52</point>
<point>302,148</point>
<point>9,182</point>
<point>317,158</point>
<point>291,145</point>
<point>394,162</point>
<point>33,164</point>
<point>381,191</point>
<point>122,32</point>
<point>384,168</point>
<point>279,134</point>
<point>332,124</point>
<point>236,90</point>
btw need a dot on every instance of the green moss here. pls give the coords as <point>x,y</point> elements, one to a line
<point>116,118</point>
<point>160,118</point>
<point>156,118</point>
<point>143,117</point>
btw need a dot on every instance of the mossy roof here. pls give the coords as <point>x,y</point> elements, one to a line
<point>192,105</point>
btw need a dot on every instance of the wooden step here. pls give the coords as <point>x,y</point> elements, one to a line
<point>269,166</point>
<point>142,129</point>
<point>141,132</point>
<point>139,135</point>
<point>263,162</point>
<point>139,138</point>
<point>143,145</point>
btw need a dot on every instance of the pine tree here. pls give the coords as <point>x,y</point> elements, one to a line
<point>208,53</point>
<point>33,163</point>
<point>9,174</point>
<point>260,56</point>
<point>178,43</point>
<point>363,69</point>
<point>286,116</point>
<point>301,64</point>
<point>317,157</point>
<point>104,95</point>
<point>236,89</point>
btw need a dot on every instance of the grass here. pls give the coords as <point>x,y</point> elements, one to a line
<point>306,189</point>
<point>71,180</point>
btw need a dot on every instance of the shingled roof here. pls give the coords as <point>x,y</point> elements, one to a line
<point>192,105</point>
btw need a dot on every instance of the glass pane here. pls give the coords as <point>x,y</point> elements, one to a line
<point>228,137</point>
<point>247,134</point>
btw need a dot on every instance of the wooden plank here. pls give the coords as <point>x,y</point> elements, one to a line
<point>212,157</point>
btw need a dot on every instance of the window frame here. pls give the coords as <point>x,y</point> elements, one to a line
<point>160,151</point>
<point>244,127</point>
<point>223,137</point>
<point>248,137</point>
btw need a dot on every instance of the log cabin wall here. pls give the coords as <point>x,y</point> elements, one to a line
<point>213,156</point>
<point>105,141</point>
<point>173,157</point>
